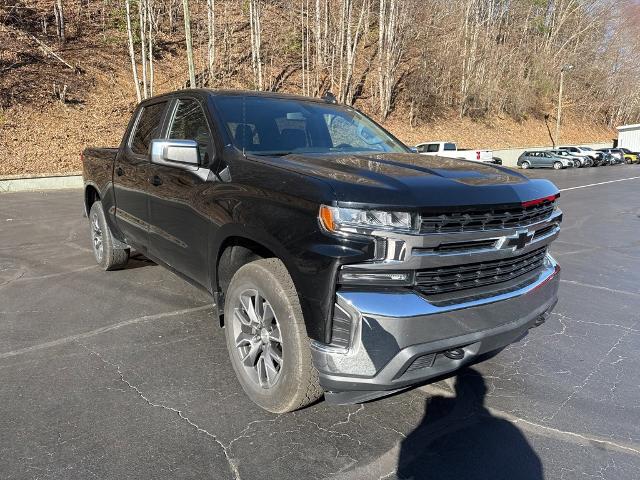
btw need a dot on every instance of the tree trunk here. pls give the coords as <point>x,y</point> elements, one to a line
<point>211,45</point>
<point>188,41</point>
<point>58,13</point>
<point>150,44</point>
<point>142,13</point>
<point>256,41</point>
<point>132,53</point>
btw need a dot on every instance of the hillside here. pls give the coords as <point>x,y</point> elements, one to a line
<point>41,134</point>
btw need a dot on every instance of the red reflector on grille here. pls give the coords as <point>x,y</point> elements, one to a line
<point>538,201</point>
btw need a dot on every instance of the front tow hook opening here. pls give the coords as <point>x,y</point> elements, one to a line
<point>454,354</point>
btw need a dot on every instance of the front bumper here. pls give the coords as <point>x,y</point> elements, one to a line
<point>400,338</point>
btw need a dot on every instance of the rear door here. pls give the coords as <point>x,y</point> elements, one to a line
<point>131,175</point>
<point>179,226</point>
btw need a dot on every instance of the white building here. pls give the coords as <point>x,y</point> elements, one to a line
<point>629,137</point>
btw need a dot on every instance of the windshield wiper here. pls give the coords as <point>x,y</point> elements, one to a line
<point>271,154</point>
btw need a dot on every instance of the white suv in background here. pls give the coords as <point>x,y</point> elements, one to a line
<point>581,152</point>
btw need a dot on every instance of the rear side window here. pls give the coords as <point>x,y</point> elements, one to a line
<point>147,128</point>
<point>449,147</point>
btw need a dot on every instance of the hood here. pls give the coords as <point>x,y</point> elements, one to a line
<point>413,181</point>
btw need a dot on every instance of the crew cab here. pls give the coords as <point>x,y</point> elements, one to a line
<point>339,262</point>
<point>451,150</point>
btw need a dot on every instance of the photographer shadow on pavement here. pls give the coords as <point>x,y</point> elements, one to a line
<point>459,438</point>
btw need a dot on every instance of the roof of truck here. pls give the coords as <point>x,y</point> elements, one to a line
<point>233,93</point>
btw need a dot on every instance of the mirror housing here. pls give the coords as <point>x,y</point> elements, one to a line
<point>175,153</point>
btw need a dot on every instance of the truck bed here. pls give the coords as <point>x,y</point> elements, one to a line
<point>97,166</point>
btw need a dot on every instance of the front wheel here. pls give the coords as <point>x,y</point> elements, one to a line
<point>105,250</point>
<point>267,338</point>
<point>525,165</point>
<point>557,165</point>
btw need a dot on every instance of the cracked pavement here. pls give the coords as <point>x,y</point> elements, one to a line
<point>125,374</point>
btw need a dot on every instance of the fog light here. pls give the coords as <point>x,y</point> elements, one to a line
<point>376,278</point>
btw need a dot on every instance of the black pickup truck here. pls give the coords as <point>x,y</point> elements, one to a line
<point>339,262</point>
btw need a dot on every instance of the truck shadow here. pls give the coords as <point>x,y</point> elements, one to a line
<point>458,438</point>
<point>137,260</point>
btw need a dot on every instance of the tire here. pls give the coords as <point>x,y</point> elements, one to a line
<point>107,254</point>
<point>276,375</point>
<point>557,165</point>
<point>525,165</point>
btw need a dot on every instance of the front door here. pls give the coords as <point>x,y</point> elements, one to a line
<point>131,176</point>
<point>178,225</point>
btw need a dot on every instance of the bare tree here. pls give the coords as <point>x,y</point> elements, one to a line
<point>392,23</point>
<point>211,44</point>
<point>132,53</point>
<point>58,13</point>
<point>256,42</point>
<point>142,13</point>
<point>149,11</point>
<point>189,43</point>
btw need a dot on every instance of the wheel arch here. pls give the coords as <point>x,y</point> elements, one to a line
<point>91,195</point>
<point>236,246</point>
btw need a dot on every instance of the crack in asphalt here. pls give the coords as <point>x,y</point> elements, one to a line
<point>98,331</point>
<point>529,425</point>
<point>598,287</point>
<point>595,369</point>
<point>225,448</point>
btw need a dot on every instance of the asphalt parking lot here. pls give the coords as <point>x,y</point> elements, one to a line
<point>125,374</point>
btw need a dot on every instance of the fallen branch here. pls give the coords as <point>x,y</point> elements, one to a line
<point>48,50</point>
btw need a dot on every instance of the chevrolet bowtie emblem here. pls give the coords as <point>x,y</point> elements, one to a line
<point>520,240</point>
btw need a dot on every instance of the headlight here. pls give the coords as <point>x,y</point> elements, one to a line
<point>338,219</point>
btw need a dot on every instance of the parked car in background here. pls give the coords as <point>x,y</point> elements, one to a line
<point>543,159</point>
<point>617,155</point>
<point>578,161</point>
<point>580,151</point>
<point>629,156</point>
<point>451,150</point>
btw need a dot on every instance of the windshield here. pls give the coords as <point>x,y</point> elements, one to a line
<point>277,126</point>
<point>588,149</point>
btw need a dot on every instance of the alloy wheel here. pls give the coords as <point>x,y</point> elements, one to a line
<point>96,235</point>
<point>257,337</point>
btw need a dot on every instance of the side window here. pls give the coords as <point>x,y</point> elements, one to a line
<point>449,147</point>
<point>433,147</point>
<point>147,128</point>
<point>189,123</point>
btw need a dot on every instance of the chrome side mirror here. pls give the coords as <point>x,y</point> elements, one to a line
<point>175,153</point>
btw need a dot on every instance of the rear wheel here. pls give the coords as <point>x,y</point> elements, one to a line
<point>105,249</point>
<point>525,165</point>
<point>267,338</point>
<point>557,165</point>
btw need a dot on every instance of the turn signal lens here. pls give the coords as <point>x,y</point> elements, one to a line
<point>326,218</point>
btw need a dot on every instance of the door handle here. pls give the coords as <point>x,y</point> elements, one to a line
<point>119,171</point>
<point>155,180</point>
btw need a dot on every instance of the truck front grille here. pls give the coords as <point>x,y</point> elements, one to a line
<point>461,277</point>
<point>496,218</point>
